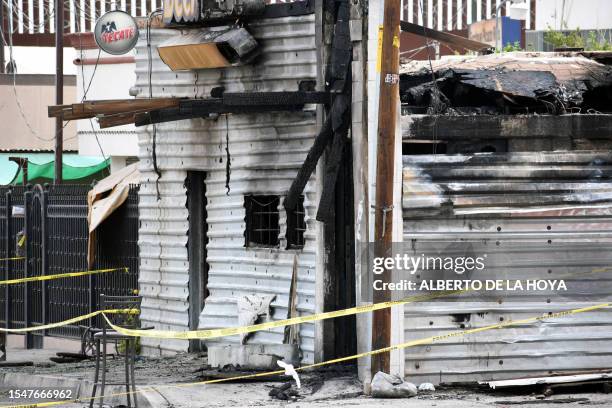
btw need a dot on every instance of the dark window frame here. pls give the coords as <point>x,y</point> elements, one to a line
<point>262,221</point>
<point>296,226</point>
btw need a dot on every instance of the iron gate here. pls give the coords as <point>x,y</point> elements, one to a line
<point>47,226</point>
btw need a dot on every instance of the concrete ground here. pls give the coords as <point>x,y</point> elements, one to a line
<point>171,382</point>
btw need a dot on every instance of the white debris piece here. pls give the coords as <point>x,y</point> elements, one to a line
<point>426,387</point>
<point>250,308</point>
<point>391,386</point>
<point>289,370</point>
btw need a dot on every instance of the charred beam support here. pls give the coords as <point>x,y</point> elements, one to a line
<point>338,77</point>
<point>333,123</point>
<point>440,127</point>
<point>239,102</point>
<point>325,211</point>
<point>310,163</point>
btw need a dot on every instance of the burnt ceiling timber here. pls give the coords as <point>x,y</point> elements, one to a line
<point>157,110</point>
<point>448,38</point>
<point>238,102</point>
<point>443,127</point>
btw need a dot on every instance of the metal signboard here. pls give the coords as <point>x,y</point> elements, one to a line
<point>116,32</point>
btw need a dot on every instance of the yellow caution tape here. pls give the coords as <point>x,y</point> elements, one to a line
<point>70,321</point>
<point>15,258</point>
<point>412,343</point>
<point>60,276</point>
<point>231,331</point>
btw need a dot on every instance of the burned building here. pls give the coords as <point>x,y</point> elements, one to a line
<point>258,160</point>
<point>511,151</point>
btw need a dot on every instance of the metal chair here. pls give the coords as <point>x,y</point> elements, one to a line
<point>103,336</point>
<point>2,346</point>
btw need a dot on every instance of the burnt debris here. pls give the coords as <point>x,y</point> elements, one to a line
<point>507,85</point>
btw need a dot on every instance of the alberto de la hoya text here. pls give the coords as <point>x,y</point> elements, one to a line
<point>459,265</point>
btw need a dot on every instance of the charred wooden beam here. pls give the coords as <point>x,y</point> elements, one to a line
<point>309,165</point>
<point>333,123</point>
<point>238,102</point>
<point>441,127</point>
<point>173,114</point>
<point>124,106</point>
<point>90,109</point>
<point>118,119</point>
<point>448,38</point>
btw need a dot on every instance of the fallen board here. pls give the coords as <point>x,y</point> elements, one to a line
<point>521,382</point>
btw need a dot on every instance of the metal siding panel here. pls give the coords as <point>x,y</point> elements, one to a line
<point>266,152</point>
<point>573,343</point>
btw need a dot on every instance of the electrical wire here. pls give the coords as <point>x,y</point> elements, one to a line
<point>86,90</point>
<point>150,73</point>
<point>14,84</point>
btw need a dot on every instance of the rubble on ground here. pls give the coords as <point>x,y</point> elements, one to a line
<point>391,386</point>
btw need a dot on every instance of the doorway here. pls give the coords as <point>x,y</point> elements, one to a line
<point>197,242</point>
<point>340,334</point>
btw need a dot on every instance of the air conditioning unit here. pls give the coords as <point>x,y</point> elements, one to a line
<point>216,47</point>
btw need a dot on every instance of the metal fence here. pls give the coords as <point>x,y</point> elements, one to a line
<point>48,227</point>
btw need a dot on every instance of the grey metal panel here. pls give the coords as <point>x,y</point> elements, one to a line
<point>551,211</point>
<point>266,152</point>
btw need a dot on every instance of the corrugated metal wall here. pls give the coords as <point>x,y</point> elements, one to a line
<point>552,211</point>
<point>266,151</point>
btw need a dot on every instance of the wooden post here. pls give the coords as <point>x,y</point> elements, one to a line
<point>59,87</point>
<point>385,164</point>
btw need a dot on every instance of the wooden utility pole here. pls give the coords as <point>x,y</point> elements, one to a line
<point>385,169</point>
<point>59,87</point>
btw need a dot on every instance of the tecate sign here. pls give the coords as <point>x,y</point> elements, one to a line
<point>116,32</point>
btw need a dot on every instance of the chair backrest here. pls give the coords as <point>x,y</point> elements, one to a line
<point>131,304</point>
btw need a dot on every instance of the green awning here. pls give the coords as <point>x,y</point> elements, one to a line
<point>42,166</point>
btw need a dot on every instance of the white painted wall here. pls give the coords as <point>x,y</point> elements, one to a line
<point>110,81</point>
<point>585,14</point>
<point>40,60</point>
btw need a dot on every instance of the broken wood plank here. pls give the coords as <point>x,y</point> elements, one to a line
<point>16,363</point>
<point>119,119</point>
<point>442,127</point>
<point>540,401</point>
<point>521,382</point>
<point>292,332</point>
<point>444,37</point>
<point>58,110</point>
